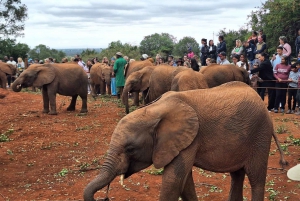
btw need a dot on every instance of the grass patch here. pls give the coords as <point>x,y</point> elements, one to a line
<point>4,137</point>
<point>280,129</point>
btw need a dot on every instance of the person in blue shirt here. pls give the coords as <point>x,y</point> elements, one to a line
<point>292,91</point>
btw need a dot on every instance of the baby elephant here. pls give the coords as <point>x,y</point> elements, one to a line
<point>65,79</point>
<point>223,129</point>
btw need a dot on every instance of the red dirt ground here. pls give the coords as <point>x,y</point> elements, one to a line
<point>55,157</point>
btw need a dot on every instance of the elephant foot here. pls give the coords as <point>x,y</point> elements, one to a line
<point>52,113</point>
<point>83,111</point>
<point>71,109</point>
<point>45,111</point>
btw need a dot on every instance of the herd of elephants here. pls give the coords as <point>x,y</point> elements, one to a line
<point>211,119</point>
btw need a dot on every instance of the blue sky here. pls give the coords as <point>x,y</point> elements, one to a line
<point>94,23</point>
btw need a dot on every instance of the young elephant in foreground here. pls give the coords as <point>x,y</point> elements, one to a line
<point>65,79</point>
<point>223,129</point>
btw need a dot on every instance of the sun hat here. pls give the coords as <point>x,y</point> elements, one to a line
<point>119,53</point>
<point>294,173</point>
<point>145,56</point>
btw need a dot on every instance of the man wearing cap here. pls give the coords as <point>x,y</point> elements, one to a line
<point>223,59</point>
<point>119,66</point>
<point>144,57</point>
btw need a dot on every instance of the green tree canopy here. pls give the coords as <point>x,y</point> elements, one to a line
<point>157,44</point>
<point>10,48</point>
<point>182,46</point>
<point>277,18</point>
<point>43,52</point>
<point>127,49</point>
<point>12,16</point>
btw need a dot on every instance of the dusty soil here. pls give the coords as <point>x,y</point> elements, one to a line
<point>47,157</point>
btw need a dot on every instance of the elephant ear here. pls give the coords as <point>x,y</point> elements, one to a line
<point>145,78</point>
<point>45,75</point>
<point>7,68</point>
<point>176,129</point>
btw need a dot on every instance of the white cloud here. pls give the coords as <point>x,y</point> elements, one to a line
<point>94,24</point>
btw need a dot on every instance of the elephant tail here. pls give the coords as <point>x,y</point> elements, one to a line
<point>282,161</point>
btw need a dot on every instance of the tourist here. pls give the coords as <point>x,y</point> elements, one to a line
<point>119,66</point>
<point>212,53</point>
<point>281,73</point>
<point>292,91</point>
<point>223,59</point>
<point>265,70</point>
<point>238,48</point>
<point>287,50</point>
<point>221,47</point>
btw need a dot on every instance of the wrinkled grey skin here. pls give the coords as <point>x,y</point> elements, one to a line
<point>185,129</point>
<point>66,79</point>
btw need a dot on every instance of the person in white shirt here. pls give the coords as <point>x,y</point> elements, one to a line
<point>236,60</point>
<point>20,66</point>
<point>11,78</point>
<point>223,59</point>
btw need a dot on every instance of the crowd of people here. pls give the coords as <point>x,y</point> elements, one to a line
<point>277,74</point>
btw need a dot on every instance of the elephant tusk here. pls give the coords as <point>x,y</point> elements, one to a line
<point>122,179</point>
<point>18,86</point>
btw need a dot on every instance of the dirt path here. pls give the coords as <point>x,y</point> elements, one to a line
<point>55,157</point>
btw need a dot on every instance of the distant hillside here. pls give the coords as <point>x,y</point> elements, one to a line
<point>72,52</point>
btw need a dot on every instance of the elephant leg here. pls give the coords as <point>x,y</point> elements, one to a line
<point>189,193</point>
<point>84,104</point>
<point>256,171</point>
<point>177,175</point>
<point>72,105</point>
<point>136,101</point>
<point>108,88</point>
<point>52,100</point>
<point>93,89</point>
<point>237,181</point>
<point>45,100</point>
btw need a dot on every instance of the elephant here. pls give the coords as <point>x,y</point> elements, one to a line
<point>133,67</point>
<point>137,82</point>
<point>100,76</point>
<point>219,74</point>
<point>161,80</point>
<point>65,79</point>
<point>188,80</point>
<point>223,129</point>
<point>4,70</point>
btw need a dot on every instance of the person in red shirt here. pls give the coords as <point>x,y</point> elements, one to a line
<point>281,73</point>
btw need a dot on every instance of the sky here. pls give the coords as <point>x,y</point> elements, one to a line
<point>95,23</point>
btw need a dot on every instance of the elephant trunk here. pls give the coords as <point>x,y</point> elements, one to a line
<point>16,86</point>
<point>125,99</point>
<point>98,183</point>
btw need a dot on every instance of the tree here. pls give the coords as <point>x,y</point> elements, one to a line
<point>117,46</point>
<point>12,16</point>
<point>157,44</point>
<point>10,48</point>
<point>43,52</point>
<point>182,46</point>
<point>277,18</point>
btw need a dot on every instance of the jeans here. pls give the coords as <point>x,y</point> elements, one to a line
<point>113,86</point>
<point>292,92</point>
<point>280,95</point>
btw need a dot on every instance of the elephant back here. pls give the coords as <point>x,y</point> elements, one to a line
<point>136,66</point>
<point>7,68</point>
